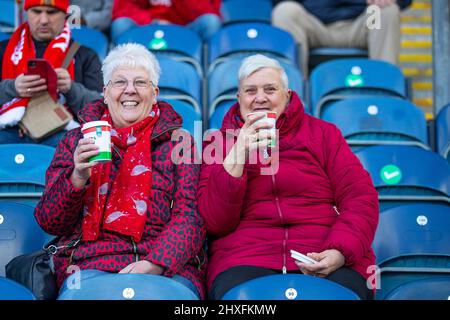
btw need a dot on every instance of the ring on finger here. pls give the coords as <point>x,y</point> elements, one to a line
<point>28,90</point>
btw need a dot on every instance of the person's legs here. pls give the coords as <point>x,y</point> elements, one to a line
<point>74,281</point>
<point>120,25</point>
<point>234,276</point>
<point>205,25</point>
<point>11,135</point>
<point>306,29</point>
<point>352,280</point>
<point>384,43</point>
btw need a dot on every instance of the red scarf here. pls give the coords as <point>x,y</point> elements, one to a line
<point>20,48</point>
<point>124,209</point>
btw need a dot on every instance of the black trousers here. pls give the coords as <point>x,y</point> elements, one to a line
<point>234,276</point>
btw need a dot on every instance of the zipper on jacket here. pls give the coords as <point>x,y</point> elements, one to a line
<point>336,209</point>
<point>280,214</point>
<point>136,256</point>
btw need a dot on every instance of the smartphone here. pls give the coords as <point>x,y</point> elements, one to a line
<point>302,258</point>
<point>44,69</point>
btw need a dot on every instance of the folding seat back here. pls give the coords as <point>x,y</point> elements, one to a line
<point>343,78</point>
<point>92,39</point>
<point>180,81</point>
<point>378,120</point>
<point>443,132</point>
<point>412,242</point>
<point>129,287</point>
<point>11,290</point>
<point>404,174</point>
<point>289,287</point>
<point>173,41</point>
<point>19,232</point>
<point>243,38</point>
<point>22,171</point>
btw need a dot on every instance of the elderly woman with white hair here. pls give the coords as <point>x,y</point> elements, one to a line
<point>138,212</point>
<point>308,193</point>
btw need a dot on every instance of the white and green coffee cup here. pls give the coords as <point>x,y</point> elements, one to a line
<point>100,132</point>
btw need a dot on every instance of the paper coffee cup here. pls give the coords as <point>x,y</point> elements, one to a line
<point>100,132</point>
<point>270,118</point>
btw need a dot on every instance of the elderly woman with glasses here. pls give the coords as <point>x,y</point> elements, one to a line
<point>138,212</point>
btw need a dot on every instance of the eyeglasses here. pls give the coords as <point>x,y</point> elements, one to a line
<point>137,83</point>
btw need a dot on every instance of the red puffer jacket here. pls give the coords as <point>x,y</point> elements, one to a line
<point>174,233</point>
<point>320,198</point>
<point>179,12</point>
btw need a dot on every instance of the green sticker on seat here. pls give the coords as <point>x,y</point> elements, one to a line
<point>158,44</point>
<point>391,174</point>
<point>354,80</point>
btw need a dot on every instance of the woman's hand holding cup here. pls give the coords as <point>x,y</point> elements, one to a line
<point>85,149</point>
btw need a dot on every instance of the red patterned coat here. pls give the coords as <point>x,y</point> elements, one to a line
<point>174,233</point>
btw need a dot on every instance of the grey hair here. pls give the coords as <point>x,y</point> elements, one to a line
<point>256,62</point>
<point>131,55</point>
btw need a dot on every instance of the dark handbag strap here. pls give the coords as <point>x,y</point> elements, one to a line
<point>70,54</point>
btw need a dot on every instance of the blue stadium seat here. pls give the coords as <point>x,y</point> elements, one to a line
<point>215,121</point>
<point>378,120</point>
<point>406,174</point>
<point>92,39</point>
<point>177,42</point>
<point>237,11</point>
<point>180,81</point>
<point>3,36</point>
<point>344,78</point>
<point>11,290</point>
<point>223,81</point>
<point>7,15</point>
<point>443,132</point>
<point>187,112</point>
<point>435,288</point>
<point>289,287</point>
<point>129,287</point>
<point>19,232</point>
<point>22,171</point>
<point>324,54</point>
<point>412,242</point>
<point>243,38</point>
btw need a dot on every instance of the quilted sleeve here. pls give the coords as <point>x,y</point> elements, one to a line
<point>59,208</point>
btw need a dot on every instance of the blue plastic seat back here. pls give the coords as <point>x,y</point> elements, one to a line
<point>289,287</point>
<point>11,290</point>
<point>223,80</point>
<point>180,81</point>
<point>19,232</point>
<point>432,288</point>
<point>378,120</point>
<point>443,132</point>
<point>215,121</point>
<point>237,11</point>
<point>407,173</point>
<point>129,287</point>
<point>7,15</point>
<point>3,36</point>
<point>413,229</point>
<point>92,39</point>
<point>244,38</point>
<point>353,77</point>
<point>187,112</point>
<point>22,169</point>
<point>177,42</point>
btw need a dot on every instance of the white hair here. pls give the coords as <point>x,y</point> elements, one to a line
<point>256,62</point>
<point>131,55</point>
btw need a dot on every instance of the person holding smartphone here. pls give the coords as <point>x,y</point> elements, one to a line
<point>46,35</point>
